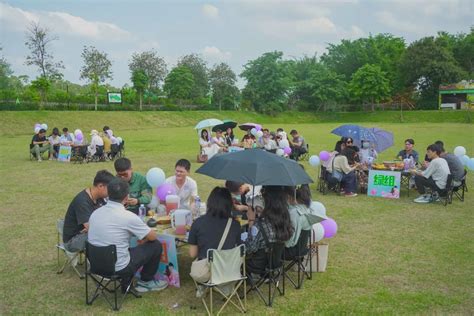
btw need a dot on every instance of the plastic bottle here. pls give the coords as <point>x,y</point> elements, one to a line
<point>142,211</point>
<point>197,207</point>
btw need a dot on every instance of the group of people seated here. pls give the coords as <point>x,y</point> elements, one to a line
<point>101,143</point>
<point>270,141</point>
<point>106,214</point>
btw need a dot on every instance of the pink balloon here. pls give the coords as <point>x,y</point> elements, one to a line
<point>330,228</point>
<point>287,150</point>
<point>324,155</point>
<point>165,189</point>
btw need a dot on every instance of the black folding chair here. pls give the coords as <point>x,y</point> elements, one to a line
<point>100,267</point>
<point>98,155</point>
<point>271,272</point>
<point>79,154</point>
<point>295,256</point>
<point>459,190</point>
<point>446,195</point>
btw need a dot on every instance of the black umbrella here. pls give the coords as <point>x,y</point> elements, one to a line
<point>227,124</point>
<point>256,167</point>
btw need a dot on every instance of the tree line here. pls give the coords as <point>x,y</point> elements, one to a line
<point>359,73</point>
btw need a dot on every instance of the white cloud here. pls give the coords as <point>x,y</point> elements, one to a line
<point>210,11</point>
<point>290,28</point>
<point>311,48</point>
<point>60,23</point>
<point>388,19</point>
<point>215,54</point>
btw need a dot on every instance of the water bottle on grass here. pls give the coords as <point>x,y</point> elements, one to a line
<point>142,211</point>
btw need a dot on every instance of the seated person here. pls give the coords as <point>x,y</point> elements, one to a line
<point>106,141</point>
<point>274,225</point>
<point>55,141</point>
<point>298,145</point>
<point>434,177</point>
<point>186,187</point>
<point>140,190</point>
<point>206,232</point>
<point>341,164</point>
<point>111,224</point>
<point>408,152</point>
<point>340,145</point>
<point>455,165</point>
<point>248,141</point>
<point>297,210</point>
<point>39,145</point>
<point>219,141</point>
<point>207,147</point>
<point>268,141</point>
<point>349,142</point>
<point>243,195</point>
<point>96,142</point>
<point>367,153</point>
<point>67,139</point>
<point>230,139</point>
<point>76,221</point>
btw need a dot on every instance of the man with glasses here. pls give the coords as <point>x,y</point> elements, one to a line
<point>140,190</point>
<point>186,188</point>
<point>408,152</point>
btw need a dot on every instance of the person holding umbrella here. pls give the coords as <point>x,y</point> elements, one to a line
<point>219,141</point>
<point>229,136</point>
<point>207,147</point>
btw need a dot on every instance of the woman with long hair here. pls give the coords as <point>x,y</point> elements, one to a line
<point>274,225</point>
<point>207,147</point>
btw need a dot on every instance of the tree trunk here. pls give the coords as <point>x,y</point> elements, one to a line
<point>96,100</point>
<point>220,106</point>
<point>141,101</point>
<point>373,106</point>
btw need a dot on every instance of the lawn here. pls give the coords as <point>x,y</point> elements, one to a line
<point>389,256</point>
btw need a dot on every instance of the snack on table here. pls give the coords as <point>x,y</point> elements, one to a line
<point>163,219</point>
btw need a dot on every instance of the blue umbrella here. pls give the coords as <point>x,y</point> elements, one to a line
<point>382,139</point>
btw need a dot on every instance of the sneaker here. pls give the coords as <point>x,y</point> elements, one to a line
<point>350,194</point>
<point>424,198</point>
<point>152,285</point>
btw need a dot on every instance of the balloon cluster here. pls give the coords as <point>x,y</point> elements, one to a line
<point>460,152</point>
<point>156,179</point>
<point>326,228</point>
<point>316,160</point>
<point>78,134</point>
<point>39,126</point>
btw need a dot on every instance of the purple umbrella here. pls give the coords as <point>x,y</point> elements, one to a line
<point>248,126</point>
<point>382,139</point>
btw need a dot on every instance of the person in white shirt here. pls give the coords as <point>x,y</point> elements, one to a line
<point>112,224</point>
<point>95,142</point>
<point>267,141</point>
<point>367,153</point>
<point>219,141</point>
<point>55,141</point>
<point>434,177</point>
<point>207,147</point>
<point>67,138</point>
<point>186,188</point>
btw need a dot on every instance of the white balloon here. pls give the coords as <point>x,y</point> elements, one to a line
<point>37,130</point>
<point>44,126</point>
<point>459,151</point>
<point>318,208</point>
<point>318,232</point>
<point>119,139</point>
<point>470,164</point>
<point>314,161</point>
<point>464,160</point>
<point>280,152</point>
<point>259,134</point>
<point>253,131</point>
<point>155,177</point>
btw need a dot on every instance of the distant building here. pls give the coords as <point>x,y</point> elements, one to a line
<point>457,96</point>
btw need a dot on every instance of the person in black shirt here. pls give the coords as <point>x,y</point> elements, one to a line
<point>76,221</point>
<point>39,144</point>
<point>207,230</point>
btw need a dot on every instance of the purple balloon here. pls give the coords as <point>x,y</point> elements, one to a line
<point>165,189</point>
<point>330,228</point>
<point>324,155</point>
<point>287,150</point>
<point>79,137</point>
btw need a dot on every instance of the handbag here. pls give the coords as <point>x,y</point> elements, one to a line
<point>200,269</point>
<point>202,157</point>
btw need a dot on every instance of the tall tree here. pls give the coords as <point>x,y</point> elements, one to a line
<point>369,84</point>
<point>152,65</point>
<point>5,72</point>
<point>198,68</point>
<point>140,81</point>
<point>179,83</point>
<point>38,41</point>
<point>96,68</point>
<point>268,81</point>
<point>223,84</point>
<point>426,64</point>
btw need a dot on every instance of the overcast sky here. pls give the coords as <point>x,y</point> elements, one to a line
<point>230,31</point>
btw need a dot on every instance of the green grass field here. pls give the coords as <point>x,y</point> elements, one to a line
<point>389,256</point>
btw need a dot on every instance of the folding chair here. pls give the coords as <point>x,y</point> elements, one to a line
<point>227,267</point>
<point>297,258</point>
<point>446,195</point>
<point>79,154</point>
<point>102,271</point>
<point>71,257</point>
<point>271,274</point>
<point>97,156</point>
<point>459,190</point>
<point>304,156</point>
